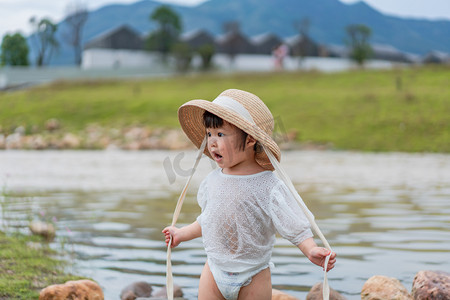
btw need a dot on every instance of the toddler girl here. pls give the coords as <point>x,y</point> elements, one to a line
<point>243,203</point>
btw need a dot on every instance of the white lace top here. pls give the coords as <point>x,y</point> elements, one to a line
<point>240,216</point>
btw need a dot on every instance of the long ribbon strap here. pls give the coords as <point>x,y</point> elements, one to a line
<point>169,275</point>
<point>283,175</point>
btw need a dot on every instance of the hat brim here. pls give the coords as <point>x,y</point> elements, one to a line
<point>190,116</point>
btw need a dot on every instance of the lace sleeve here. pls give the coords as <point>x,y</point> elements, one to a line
<point>287,215</point>
<point>201,198</point>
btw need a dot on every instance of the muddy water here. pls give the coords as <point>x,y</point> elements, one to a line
<point>384,214</point>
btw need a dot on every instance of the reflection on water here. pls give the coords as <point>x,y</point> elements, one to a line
<point>384,214</point>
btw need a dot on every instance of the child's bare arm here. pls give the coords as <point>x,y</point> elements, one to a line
<point>317,254</point>
<point>182,234</point>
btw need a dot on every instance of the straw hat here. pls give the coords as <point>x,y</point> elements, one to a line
<point>240,108</point>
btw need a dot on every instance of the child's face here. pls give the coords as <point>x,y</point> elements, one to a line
<point>224,145</point>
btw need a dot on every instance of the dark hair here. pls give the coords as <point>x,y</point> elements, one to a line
<point>210,120</point>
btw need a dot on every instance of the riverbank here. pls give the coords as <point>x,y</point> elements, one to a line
<point>403,109</point>
<point>28,264</point>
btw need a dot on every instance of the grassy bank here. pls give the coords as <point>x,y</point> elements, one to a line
<point>27,265</point>
<point>389,110</point>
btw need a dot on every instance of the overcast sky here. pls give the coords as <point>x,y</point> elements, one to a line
<point>15,14</point>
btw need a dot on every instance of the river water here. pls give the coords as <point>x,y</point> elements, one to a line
<point>383,213</point>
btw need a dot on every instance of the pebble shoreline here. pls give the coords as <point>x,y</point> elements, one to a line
<point>427,285</point>
<point>127,138</point>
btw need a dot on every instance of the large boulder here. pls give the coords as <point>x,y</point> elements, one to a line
<point>316,293</point>
<point>381,287</point>
<point>43,229</point>
<point>80,289</point>
<point>162,292</point>
<point>431,285</point>
<point>135,290</point>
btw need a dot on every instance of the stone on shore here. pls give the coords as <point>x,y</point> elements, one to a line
<point>382,287</point>
<point>2,141</point>
<point>70,141</point>
<point>135,290</point>
<point>162,292</point>
<point>35,142</point>
<point>136,133</point>
<point>14,141</point>
<point>175,140</point>
<point>52,125</point>
<point>80,289</point>
<point>316,293</point>
<point>431,285</point>
<point>43,229</point>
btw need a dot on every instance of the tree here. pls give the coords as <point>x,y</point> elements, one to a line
<point>305,46</point>
<point>75,20</point>
<point>44,39</point>
<point>360,49</point>
<point>183,56</point>
<point>14,50</point>
<point>169,28</point>
<point>206,53</point>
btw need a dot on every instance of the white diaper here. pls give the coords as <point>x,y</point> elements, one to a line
<point>230,283</point>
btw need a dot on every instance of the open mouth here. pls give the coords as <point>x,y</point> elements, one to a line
<point>217,156</point>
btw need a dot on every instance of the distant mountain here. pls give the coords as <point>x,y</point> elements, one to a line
<point>327,18</point>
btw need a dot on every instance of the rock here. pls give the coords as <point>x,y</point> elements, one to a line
<point>135,290</point>
<point>174,140</point>
<point>134,145</point>
<point>382,287</point>
<point>316,293</point>
<point>37,142</point>
<point>80,289</point>
<point>152,142</point>
<point>43,229</point>
<point>53,142</point>
<point>279,295</point>
<point>162,292</point>
<point>136,134</point>
<point>14,141</point>
<point>52,125</point>
<point>112,147</point>
<point>70,141</point>
<point>2,141</point>
<point>431,285</point>
<point>92,135</point>
<point>292,135</point>
<point>20,130</point>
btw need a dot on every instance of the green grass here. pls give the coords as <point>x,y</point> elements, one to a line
<point>26,270</point>
<point>389,110</point>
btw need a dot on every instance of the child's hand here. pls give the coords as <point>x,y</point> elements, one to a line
<point>318,255</point>
<point>174,232</point>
